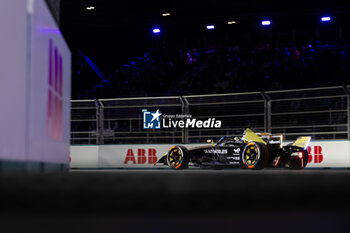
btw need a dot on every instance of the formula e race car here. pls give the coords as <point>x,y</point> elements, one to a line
<point>251,151</point>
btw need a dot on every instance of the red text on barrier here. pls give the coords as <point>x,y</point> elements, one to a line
<point>317,155</point>
<point>142,155</point>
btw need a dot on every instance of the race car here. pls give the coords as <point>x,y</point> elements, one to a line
<point>254,150</point>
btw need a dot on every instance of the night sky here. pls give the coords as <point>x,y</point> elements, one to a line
<point>117,32</point>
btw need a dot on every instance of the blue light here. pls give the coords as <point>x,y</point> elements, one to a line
<point>94,67</point>
<point>326,19</point>
<point>156,30</point>
<point>210,27</point>
<point>266,22</point>
<point>50,30</point>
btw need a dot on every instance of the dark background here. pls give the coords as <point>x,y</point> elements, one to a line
<point>117,32</point>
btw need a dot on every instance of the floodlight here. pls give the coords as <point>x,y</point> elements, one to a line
<point>266,22</point>
<point>156,30</point>
<point>326,19</point>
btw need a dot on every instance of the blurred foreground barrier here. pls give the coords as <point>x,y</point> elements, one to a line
<point>35,77</point>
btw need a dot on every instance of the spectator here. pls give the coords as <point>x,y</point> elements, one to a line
<point>219,66</point>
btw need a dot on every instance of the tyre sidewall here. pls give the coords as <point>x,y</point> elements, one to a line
<point>184,154</point>
<point>263,156</point>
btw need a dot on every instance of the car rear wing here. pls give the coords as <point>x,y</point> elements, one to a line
<point>302,142</point>
<point>249,135</point>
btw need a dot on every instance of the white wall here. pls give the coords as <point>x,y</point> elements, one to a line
<point>118,156</point>
<point>26,28</point>
<point>13,79</point>
<point>329,154</point>
<point>84,157</point>
<point>131,156</point>
<point>49,139</point>
<point>322,154</point>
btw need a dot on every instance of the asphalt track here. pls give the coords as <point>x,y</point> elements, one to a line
<point>163,200</point>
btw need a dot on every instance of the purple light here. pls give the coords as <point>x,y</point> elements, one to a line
<point>266,22</point>
<point>156,30</point>
<point>326,19</point>
<point>50,30</point>
<point>210,27</point>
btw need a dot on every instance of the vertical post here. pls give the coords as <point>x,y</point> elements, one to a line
<point>348,110</point>
<point>183,139</point>
<point>267,112</point>
<point>186,109</point>
<point>269,118</point>
<point>97,122</point>
<point>348,99</point>
<point>265,115</point>
<point>101,121</point>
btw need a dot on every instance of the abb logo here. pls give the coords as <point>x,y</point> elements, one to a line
<point>141,156</point>
<point>54,114</point>
<point>315,155</point>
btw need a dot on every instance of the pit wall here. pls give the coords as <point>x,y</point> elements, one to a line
<point>322,154</point>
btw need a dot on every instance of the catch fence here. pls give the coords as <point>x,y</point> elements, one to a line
<point>322,113</point>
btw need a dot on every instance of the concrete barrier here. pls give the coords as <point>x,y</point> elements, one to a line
<point>84,157</point>
<point>322,154</point>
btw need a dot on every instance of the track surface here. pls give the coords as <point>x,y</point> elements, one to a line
<point>164,200</point>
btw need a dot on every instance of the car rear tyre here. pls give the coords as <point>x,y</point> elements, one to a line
<point>255,155</point>
<point>177,157</point>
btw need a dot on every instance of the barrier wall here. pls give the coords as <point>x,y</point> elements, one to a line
<point>322,154</point>
<point>13,79</point>
<point>50,86</point>
<point>35,76</point>
<point>84,157</point>
<point>329,154</point>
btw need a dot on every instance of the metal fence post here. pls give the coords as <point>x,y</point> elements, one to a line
<point>97,122</point>
<point>269,118</point>
<point>186,111</point>
<point>348,99</point>
<point>267,111</point>
<point>183,113</point>
<point>101,121</point>
<point>348,110</point>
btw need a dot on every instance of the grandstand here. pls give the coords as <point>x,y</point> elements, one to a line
<point>295,70</point>
<point>297,50</point>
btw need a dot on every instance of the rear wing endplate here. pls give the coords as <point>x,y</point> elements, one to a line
<point>302,142</point>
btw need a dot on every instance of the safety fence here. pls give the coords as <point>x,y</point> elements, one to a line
<point>322,113</point>
<point>85,122</point>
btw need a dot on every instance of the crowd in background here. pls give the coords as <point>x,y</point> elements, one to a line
<point>225,65</point>
<point>208,66</point>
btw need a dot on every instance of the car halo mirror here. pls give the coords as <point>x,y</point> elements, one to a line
<point>210,141</point>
